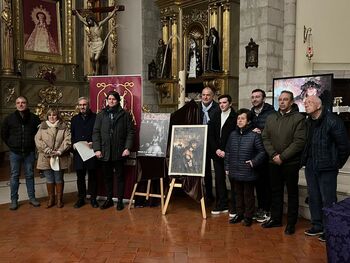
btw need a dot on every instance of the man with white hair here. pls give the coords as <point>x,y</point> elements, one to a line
<point>326,151</point>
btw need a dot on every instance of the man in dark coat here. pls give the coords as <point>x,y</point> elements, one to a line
<point>113,138</point>
<point>18,131</point>
<point>81,131</point>
<point>284,140</point>
<point>207,109</point>
<point>219,130</point>
<point>260,111</point>
<point>326,151</point>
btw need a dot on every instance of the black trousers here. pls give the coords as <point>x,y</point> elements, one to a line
<point>220,184</point>
<point>281,175</point>
<point>208,179</point>
<point>245,200</point>
<point>262,187</point>
<point>92,181</point>
<point>111,168</point>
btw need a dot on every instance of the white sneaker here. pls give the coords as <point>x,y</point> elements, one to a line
<point>232,214</point>
<point>217,211</point>
<point>263,218</point>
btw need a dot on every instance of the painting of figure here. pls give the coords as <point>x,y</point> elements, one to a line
<point>188,150</point>
<point>41,27</point>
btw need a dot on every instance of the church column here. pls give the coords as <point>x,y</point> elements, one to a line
<point>213,16</point>
<point>165,29</point>
<point>226,38</point>
<point>112,43</point>
<point>174,49</point>
<point>7,66</point>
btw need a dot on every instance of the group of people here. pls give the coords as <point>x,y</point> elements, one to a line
<point>259,149</point>
<point>262,149</point>
<point>23,133</point>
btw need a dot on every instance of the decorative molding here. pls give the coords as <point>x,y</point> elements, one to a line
<point>200,16</point>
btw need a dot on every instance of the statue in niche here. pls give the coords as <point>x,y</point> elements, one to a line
<point>163,60</point>
<point>194,66</point>
<point>152,70</point>
<point>93,30</point>
<point>212,59</point>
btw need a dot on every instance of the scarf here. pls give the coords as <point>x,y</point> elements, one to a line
<point>205,110</point>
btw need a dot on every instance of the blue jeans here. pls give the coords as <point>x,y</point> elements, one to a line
<point>53,177</point>
<point>16,161</point>
<point>322,191</point>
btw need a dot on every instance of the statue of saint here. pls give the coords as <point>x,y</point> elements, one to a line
<point>212,62</point>
<point>93,30</point>
<point>163,60</point>
<point>194,67</point>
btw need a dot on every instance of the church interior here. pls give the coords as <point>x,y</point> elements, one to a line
<point>52,55</point>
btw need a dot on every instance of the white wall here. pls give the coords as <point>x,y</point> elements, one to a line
<point>330,23</point>
<point>129,51</point>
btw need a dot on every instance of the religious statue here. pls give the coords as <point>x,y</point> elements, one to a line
<point>93,30</point>
<point>152,70</point>
<point>163,60</point>
<point>212,61</point>
<point>194,67</point>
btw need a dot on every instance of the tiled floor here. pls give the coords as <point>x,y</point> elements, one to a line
<point>144,235</point>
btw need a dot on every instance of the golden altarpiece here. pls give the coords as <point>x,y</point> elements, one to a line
<point>189,22</point>
<point>48,75</point>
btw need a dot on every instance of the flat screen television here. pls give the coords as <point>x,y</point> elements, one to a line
<point>303,86</point>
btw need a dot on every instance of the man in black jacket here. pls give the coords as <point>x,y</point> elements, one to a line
<point>326,151</point>
<point>81,130</point>
<point>220,128</point>
<point>18,131</point>
<point>113,138</point>
<point>207,108</point>
<point>260,111</point>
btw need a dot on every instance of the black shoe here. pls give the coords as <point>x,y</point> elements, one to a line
<point>313,232</point>
<point>79,203</point>
<point>271,223</point>
<point>322,238</point>
<point>290,230</point>
<point>107,204</point>
<point>236,219</point>
<point>120,205</point>
<point>94,203</point>
<point>247,221</point>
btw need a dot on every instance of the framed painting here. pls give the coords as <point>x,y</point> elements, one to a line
<point>303,86</point>
<point>41,30</point>
<point>188,149</point>
<point>154,134</point>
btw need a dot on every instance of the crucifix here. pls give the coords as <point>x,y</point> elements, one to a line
<point>93,29</point>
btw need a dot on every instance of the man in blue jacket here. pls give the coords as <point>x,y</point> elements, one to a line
<point>18,131</point>
<point>326,151</point>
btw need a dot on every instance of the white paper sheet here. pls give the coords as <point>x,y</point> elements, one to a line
<point>84,150</point>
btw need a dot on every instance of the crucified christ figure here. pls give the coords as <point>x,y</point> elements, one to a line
<point>93,30</point>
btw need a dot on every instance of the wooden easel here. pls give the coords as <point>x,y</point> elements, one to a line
<point>172,185</point>
<point>147,194</point>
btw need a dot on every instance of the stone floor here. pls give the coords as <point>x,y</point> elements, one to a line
<point>144,235</point>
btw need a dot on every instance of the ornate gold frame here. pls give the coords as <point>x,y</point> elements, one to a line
<point>66,36</point>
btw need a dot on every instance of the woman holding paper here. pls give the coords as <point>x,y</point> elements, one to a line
<point>53,140</point>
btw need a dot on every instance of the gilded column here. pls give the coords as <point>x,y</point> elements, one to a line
<point>165,29</point>
<point>174,49</point>
<point>213,16</point>
<point>112,52</point>
<point>7,66</point>
<point>226,38</point>
<point>69,33</point>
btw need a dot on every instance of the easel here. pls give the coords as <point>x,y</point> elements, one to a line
<point>147,194</point>
<point>178,185</point>
<point>149,165</point>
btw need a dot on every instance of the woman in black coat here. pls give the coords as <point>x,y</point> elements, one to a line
<point>244,151</point>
